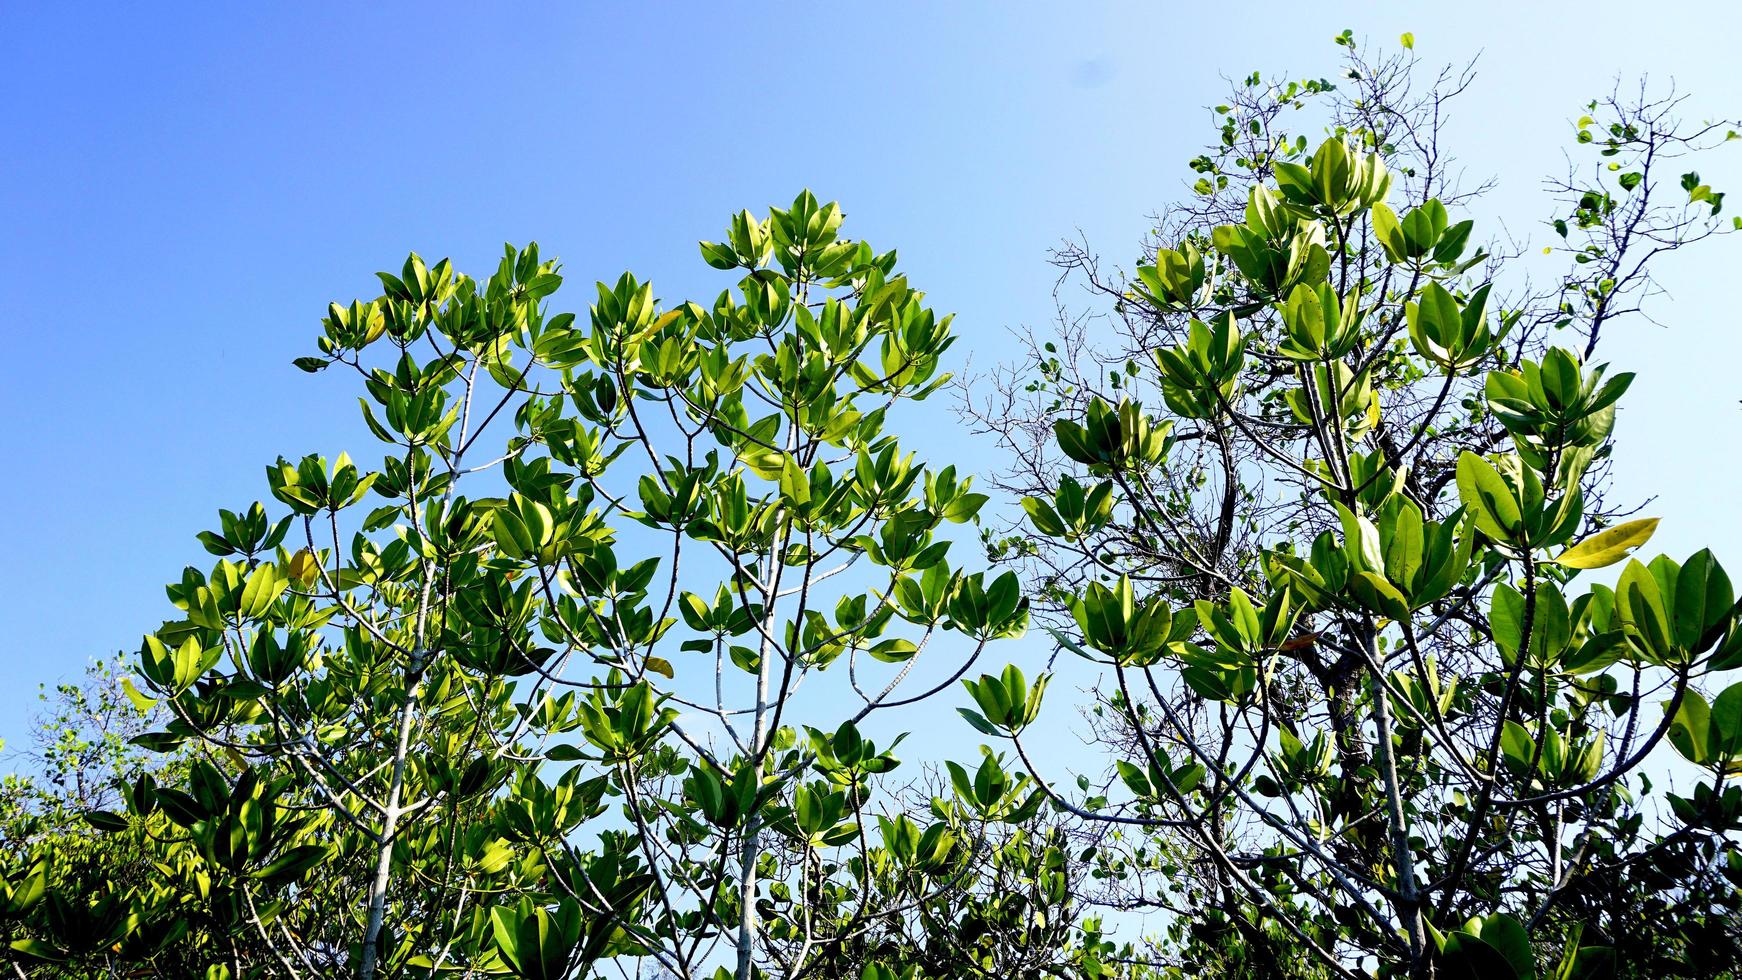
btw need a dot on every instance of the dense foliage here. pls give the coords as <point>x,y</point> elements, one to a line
<point>1324,506</point>
<point>443,716</point>
<point>601,670</point>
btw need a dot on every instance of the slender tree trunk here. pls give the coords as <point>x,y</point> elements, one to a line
<point>370,956</point>
<point>751,848</point>
<point>1408,905</point>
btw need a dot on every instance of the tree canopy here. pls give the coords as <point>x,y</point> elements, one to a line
<point>602,668</point>
<point>1326,508</point>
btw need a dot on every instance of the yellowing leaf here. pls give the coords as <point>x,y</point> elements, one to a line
<point>1407,40</point>
<point>134,695</point>
<point>1609,546</point>
<point>661,666</point>
<point>302,566</point>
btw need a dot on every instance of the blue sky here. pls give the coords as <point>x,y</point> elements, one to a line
<point>187,186</point>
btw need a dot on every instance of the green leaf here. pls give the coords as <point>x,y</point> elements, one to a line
<point>1507,936</point>
<point>1517,745</point>
<point>1608,546</point>
<point>979,722</point>
<point>263,588</point>
<point>37,949</point>
<point>1043,517</point>
<point>1597,652</point>
<point>1724,726</point>
<point>1506,619</point>
<point>795,483</point>
<point>1690,732</point>
<point>1639,604</point>
<point>293,863</point>
<point>1378,595</point>
<point>1489,499</point>
<point>140,701</point>
<point>1361,539</point>
<point>1703,602</point>
<point>893,651</point>
<point>157,741</point>
<point>108,823</point>
<point>1134,779</point>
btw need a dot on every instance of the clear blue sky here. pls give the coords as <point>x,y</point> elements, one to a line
<point>186,187</point>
